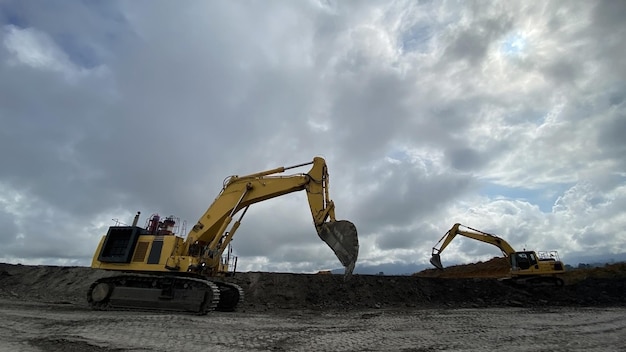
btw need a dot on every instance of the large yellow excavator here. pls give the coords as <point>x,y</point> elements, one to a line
<point>527,267</point>
<point>163,271</point>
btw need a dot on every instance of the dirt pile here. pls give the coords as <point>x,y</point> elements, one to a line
<point>266,291</point>
<point>495,268</point>
<point>47,283</point>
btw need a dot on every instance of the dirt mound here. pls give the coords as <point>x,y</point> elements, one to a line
<point>609,271</point>
<point>49,283</point>
<point>495,268</point>
<point>266,291</point>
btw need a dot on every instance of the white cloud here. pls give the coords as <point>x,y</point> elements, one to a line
<point>36,49</point>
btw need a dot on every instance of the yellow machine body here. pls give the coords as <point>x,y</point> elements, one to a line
<point>165,271</point>
<point>525,266</point>
<point>155,253</point>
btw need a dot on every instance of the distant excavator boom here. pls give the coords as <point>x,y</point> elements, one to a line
<point>478,235</point>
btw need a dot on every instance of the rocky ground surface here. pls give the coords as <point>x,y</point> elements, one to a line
<point>456,287</point>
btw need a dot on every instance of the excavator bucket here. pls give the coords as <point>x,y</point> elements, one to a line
<point>341,237</point>
<point>436,261</point>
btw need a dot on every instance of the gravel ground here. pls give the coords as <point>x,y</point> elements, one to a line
<point>36,326</point>
<point>43,308</point>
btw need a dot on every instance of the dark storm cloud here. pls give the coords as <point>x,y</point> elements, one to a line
<point>607,16</point>
<point>43,127</point>
<point>607,31</point>
<point>391,239</point>
<point>563,71</point>
<point>472,42</point>
<point>612,134</point>
<point>406,195</point>
<point>365,117</point>
<point>465,159</point>
<point>10,230</point>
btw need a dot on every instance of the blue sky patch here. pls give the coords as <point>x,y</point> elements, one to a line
<point>417,38</point>
<point>398,154</point>
<point>514,45</point>
<point>544,198</point>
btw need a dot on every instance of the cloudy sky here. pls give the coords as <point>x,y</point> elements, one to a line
<point>506,116</point>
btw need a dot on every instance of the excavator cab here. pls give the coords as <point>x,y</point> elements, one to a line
<point>523,260</point>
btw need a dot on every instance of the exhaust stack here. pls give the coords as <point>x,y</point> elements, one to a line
<point>136,219</point>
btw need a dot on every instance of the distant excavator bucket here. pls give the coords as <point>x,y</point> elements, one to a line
<point>436,261</point>
<point>341,237</point>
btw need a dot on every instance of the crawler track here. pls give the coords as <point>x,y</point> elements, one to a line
<point>231,295</point>
<point>534,281</point>
<point>157,292</point>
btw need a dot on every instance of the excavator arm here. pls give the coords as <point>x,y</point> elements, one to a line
<point>503,245</point>
<point>239,192</point>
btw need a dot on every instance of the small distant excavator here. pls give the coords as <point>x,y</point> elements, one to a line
<point>528,268</point>
<point>163,271</point>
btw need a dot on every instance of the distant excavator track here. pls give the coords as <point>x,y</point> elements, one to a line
<point>163,293</point>
<point>533,281</point>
